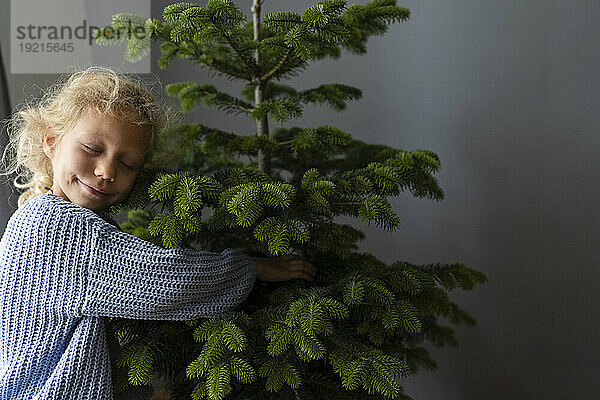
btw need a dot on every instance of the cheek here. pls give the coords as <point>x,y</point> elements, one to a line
<point>76,164</point>
<point>79,163</point>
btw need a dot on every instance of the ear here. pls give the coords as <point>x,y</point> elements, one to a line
<point>49,142</point>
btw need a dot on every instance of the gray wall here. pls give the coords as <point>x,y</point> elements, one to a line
<point>505,93</point>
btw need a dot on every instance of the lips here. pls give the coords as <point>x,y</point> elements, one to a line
<point>95,190</point>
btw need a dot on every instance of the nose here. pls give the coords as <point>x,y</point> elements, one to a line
<point>105,169</point>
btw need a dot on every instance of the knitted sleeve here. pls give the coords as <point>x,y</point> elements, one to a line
<point>129,277</point>
<point>67,259</point>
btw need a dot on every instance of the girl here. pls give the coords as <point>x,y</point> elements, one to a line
<point>63,266</point>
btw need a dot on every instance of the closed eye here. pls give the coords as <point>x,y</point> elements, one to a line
<point>97,151</point>
<point>89,148</point>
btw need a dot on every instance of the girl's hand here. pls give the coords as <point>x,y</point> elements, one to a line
<point>283,268</point>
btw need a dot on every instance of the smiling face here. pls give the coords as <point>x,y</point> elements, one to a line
<point>100,152</point>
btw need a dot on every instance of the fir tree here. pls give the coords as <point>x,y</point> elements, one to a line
<point>360,326</point>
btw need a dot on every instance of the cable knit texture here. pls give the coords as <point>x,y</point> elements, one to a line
<point>63,268</point>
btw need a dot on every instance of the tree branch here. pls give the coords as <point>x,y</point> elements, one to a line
<point>283,60</point>
<point>196,58</point>
<point>235,50</point>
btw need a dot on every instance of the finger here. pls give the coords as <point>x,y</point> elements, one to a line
<point>302,275</point>
<point>308,269</point>
<point>294,266</point>
<point>298,261</point>
<point>294,263</point>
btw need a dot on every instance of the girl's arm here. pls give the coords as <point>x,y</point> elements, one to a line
<point>129,277</point>
<point>80,265</point>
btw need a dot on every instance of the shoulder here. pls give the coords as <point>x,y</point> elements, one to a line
<point>50,209</point>
<point>50,203</point>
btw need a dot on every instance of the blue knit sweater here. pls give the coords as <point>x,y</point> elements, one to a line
<point>63,267</point>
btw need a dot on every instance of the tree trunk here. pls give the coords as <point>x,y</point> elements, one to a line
<point>262,125</point>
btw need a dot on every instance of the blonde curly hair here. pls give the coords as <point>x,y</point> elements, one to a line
<point>101,90</point>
